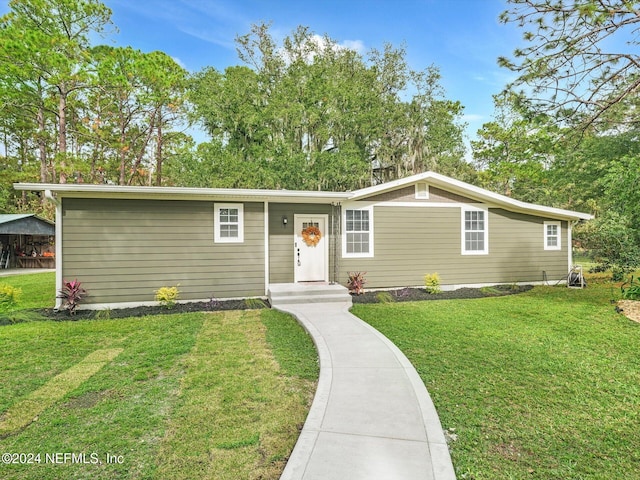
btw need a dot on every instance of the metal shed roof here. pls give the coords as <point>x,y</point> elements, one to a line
<point>25,224</point>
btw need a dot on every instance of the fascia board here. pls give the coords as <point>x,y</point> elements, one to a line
<point>495,199</point>
<point>182,193</point>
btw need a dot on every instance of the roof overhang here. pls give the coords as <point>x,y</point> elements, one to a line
<point>464,189</point>
<point>72,190</point>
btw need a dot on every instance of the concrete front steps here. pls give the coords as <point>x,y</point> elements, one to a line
<point>281,294</point>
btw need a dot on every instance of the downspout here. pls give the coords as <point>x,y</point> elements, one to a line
<point>48,194</point>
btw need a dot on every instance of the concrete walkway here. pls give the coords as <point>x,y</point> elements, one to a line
<point>372,417</point>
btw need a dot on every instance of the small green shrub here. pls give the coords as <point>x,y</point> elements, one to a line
<point>9,297</point>
<point>432,282</point>
<point>491,291</point>
<point>631,289</point>
<point>254,303</point>
<point>104,314</point>
<point>167,296</point>
<point>385,297</point>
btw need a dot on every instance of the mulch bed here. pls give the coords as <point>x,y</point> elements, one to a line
<point>420,294</point>
<point>398,295</point>
<point>143,311</point>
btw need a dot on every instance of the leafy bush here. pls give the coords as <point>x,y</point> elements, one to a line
<point>385,297</point>
<point>167,296</point>
<point>631,289</point>
<point>432,282</point>
<point>356,282</point>
<point>9,297</point>
<point>613,238</point>
<point>72,294</point>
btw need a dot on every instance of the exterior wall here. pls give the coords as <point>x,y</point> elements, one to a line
<point>408,194</point>
<point>123,250</point>
<point>281,238</point>
<point>412,241</point>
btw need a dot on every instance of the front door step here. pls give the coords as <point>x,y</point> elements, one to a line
<point>297,293</point>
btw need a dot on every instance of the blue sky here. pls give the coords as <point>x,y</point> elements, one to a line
<point>463,38</point>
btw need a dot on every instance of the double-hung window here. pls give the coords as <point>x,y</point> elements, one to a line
<point>358,232</point>
<point>552,236</point>
<point>475,239</point>
<point>229,223</point>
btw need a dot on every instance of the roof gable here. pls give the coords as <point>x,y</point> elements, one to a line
<point>462,190</point>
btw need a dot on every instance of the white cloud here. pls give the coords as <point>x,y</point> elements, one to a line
<point>179,62</point>
<point>208,36</point>
<point>356,45</point>
<point>320,43</point>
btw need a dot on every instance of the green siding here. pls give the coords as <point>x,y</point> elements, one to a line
<point>410,242</point>
<point>281,239</point>
<point>123,250</point>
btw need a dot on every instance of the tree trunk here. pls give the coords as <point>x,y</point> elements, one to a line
<point>159,158</point>
<point>42,145</point>
<point>143,148</point>
<point>62,131</point>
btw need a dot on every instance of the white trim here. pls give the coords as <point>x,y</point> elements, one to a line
<point>86,190</point>
<point>266,248</point>
<point>469,208</point>
<point>58,260</point>
<point>368,208</point>
<point>546,235</point>
<point>217,238</point>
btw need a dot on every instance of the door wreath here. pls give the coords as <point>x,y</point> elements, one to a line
<point>311,236</point>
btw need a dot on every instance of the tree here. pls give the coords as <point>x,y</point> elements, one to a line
<point>575,60</point>
<point>311,114</point>
<point>135,101</point>
<point>517,149</point>
<point>43,45</point>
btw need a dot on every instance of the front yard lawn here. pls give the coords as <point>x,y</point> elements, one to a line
<point>198,395</point>
<point>542,385</point>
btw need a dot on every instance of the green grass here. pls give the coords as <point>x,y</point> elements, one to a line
<point>541,385</point>
<point>38,289</point>
<point>199,395</point>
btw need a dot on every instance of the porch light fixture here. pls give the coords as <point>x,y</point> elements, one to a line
<point>285,220</point>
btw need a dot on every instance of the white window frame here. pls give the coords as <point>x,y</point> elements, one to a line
<point>558,246</point>
<point>463,231</point>
<point>218,238</point>
<point>422,193</point>
<point>368,254</point>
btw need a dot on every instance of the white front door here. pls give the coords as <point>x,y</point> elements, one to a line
<point>311,251</point>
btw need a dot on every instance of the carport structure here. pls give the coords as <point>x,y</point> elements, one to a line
<point>26,241</point>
